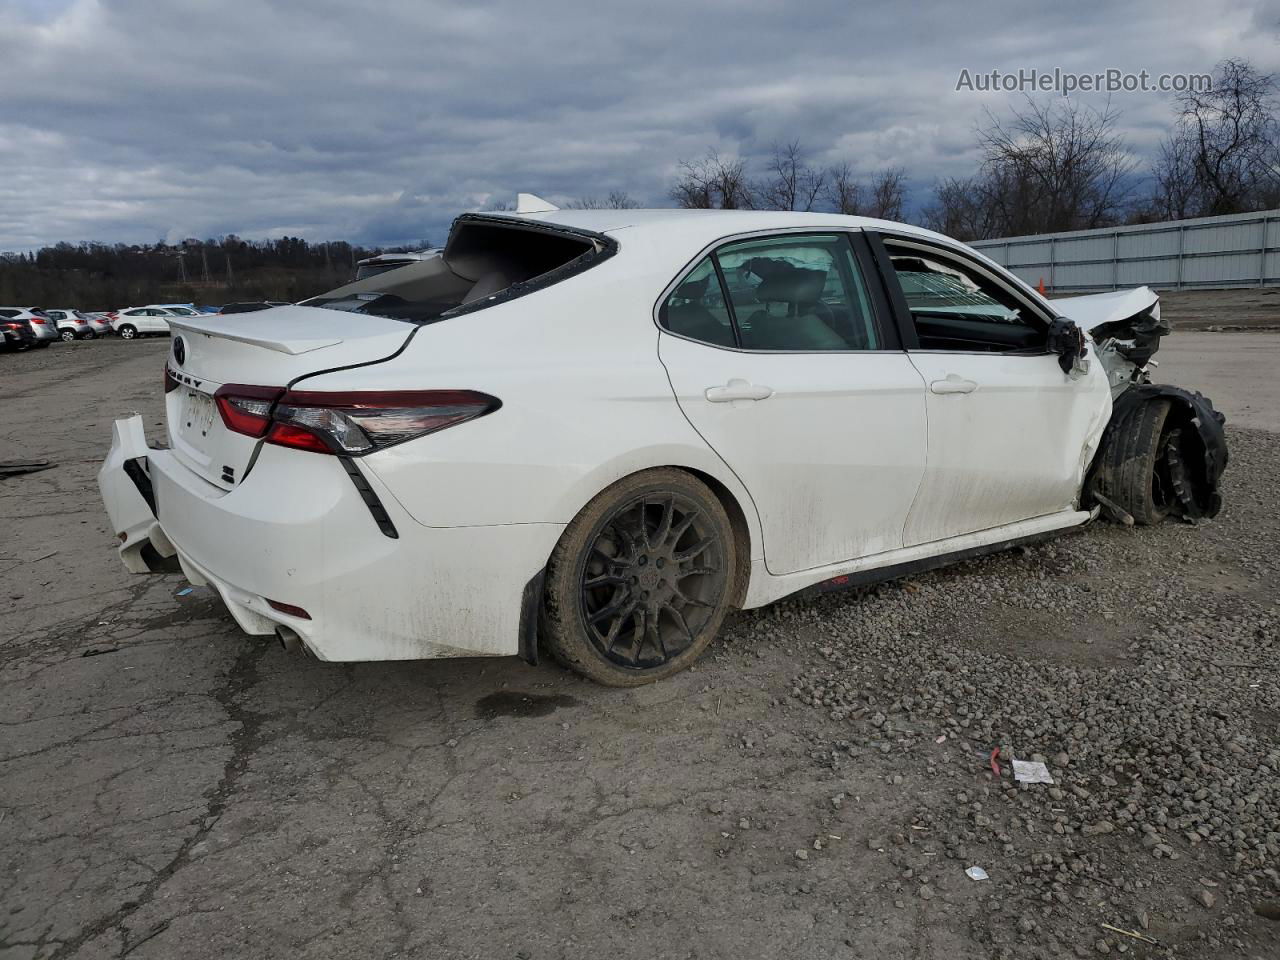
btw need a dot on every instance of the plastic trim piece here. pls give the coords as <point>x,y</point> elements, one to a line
<point>530,603</point>
<point>370,498</point>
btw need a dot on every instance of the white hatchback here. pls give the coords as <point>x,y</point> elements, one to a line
<point>603,430</point>
<point>138,321</point>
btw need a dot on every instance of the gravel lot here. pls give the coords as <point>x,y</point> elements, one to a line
<point>816,787</point>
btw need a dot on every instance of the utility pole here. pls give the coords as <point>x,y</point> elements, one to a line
<point>231,277</point>
<point>204,264</point>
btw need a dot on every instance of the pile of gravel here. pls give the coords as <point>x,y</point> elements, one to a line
<point>1141,666</point>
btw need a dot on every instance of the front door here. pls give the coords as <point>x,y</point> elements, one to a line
<point>1010,433</point>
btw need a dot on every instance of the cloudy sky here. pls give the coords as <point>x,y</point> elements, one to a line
<point>378,121</point>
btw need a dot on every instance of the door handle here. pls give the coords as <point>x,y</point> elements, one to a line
<point>738,390</point>
<point>953,384</point>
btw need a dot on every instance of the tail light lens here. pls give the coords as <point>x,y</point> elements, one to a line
<point>39,320</point>
<point>348,424</point>
<point>170,381</point>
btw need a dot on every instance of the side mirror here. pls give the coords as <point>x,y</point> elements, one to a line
<point>1067,341</point>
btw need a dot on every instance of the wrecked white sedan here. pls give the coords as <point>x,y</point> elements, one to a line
<point>603,430</point>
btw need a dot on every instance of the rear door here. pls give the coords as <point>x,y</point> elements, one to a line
<point>779,357</point>
<point>1010,433</point>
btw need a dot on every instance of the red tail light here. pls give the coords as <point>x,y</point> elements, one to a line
<point>40,320</point>
<point>291,609</point>
<point>349,424</point>
<point>245,409</point>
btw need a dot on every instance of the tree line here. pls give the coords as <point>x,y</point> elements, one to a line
<point>1048,167</point>
<point>102,276</point>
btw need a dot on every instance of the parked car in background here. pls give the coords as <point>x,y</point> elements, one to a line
<point>43,330</point>
<point>98,322</point>
<point>71,325</point>
<point>178,309</point>
<point>15,335</point>
<point>251,306</point>
<point>140,321</point>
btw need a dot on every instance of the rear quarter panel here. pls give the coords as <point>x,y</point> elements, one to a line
<point>585,402</point>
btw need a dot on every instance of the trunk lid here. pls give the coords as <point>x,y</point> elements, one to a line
<point>269,348</point>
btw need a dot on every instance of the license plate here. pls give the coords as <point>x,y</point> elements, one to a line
<point>198,412</point>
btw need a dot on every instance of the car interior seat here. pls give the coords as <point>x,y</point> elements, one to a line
<point>805,323</point>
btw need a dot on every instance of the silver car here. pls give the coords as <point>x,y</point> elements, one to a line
<point>98,322</point>
<point>43,330</point>
<point>71,326</point>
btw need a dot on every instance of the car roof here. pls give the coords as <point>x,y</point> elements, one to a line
<point>709,225</point>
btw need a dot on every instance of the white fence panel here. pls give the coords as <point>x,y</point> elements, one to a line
<point>1231,251</point>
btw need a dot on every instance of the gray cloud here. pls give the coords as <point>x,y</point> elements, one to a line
<point>135,120</point>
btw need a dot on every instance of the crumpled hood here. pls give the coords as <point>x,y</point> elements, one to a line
<point>1097,309</point>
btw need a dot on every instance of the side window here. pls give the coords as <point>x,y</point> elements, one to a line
<point>8,313</point>
<point>696,309</point>
<point>798,293</point>
<point>956,307</point>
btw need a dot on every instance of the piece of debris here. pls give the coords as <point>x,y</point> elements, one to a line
<point>184,591</point>
<point>976,873</point>
<point>13,468</point>
<point>1268,911</point>
<point>1130,933</point>
<point>1207,899</point>
<point>98,651</point>
<point>1031,771</point>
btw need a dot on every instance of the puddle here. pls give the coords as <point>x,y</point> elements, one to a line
<point>513,703</point>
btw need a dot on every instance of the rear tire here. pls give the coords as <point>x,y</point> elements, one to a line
<point>128,332</point>
<point>1131,471</point>
<point>67,335</point>
<point>641,580</point>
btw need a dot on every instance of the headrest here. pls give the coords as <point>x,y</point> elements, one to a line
<point>693,289</point>
<point>793,285</point>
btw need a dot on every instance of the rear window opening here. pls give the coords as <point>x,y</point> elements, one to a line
<point>486,261</point>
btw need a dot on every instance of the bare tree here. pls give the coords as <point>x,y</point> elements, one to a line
<point>1176,192</point>
<point>1056,166</point>
<point>790,182</point>
<point>887,195</point>
<point>1222,155</point>
<point>960,209</point>
<point>713,182</point>
<point>616,200</point>
<point>844,192</point>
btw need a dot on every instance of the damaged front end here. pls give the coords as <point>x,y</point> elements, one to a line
<point>1164,449</point>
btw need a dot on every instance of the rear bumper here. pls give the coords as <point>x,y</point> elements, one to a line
<point>298,531</point>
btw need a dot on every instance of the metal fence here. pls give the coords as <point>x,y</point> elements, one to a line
<point>1239,250</point>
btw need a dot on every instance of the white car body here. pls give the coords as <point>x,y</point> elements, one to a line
<point>836,463</point>
<point>71,324</point>
<point>141,320</point>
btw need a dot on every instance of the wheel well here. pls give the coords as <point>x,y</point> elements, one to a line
<point>741,531</point>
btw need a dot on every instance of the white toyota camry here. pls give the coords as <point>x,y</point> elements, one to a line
<point>600,431</point>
